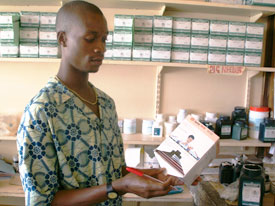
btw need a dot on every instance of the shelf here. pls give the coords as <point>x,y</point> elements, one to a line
<point>131,63</point>
<point>141,139</point>
<point>31,2</point>
<point>250,142</point>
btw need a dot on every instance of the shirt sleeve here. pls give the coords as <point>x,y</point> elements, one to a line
<point>37,158</point>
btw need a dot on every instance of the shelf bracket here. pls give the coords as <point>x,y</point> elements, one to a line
<point>256,17</point>
<point>162,10</point>
<point>158,89</point>
<point>249,75</point>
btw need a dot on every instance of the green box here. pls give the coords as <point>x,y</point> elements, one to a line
<point>143,23</point>
<point>181,40</point>
<point>122,52</point>
<point>199,41</point>
<point>28,34</point>
<point>141,53</point>
<point>29,19</point>
<point>161,54</point>
<point>7,19</point>
<point>9,50</point>
<point>162,38</point>
<point>255,30</point>
<point>254,44</point>
<point>163,23</point>
<point>47,35</point>
<point>216,57</point>
<point>123,37</point>
<point>181,24</point>
<point>217,42</point>
<point>252,59</point>
<point>143,38</point>
<point>198,56</point>
<point>235,58</point>
<point>48,19</point>
<point>200,26</point>
<point>28,50</point>
<point>236,28</point>
<point>219,27</point>
<point>10,34</point>
<point>123,22</point>
<point>235,43</point>
<point>48,50</point>
<point>180,55</point>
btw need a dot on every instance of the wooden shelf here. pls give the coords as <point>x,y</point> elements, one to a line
<point>131,63</point>
<point>140,139</point>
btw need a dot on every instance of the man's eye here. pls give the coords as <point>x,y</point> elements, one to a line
<point>104,39</point>
<point>89,39</point>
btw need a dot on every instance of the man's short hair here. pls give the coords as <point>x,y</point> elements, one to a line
<point>191,136</point>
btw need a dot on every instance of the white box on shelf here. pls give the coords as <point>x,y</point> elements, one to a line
<point>162,38</point>
<point>109,40</point>
<point>199,41</point>
<point>252,59</point>
<point>28,34</point>
<point>218,27</point>
<point>48,19</point>
<point>10,34</point>
<point>9,50</point>
<point>29,19</point>
<point>143,38</point>
<point>200,26</point>
<point>28,50</point>
<point>143,23</point>
<point>255,30</point>
<point>161,54</point>
<point>181,24</point>
<point>163,23</point>
<point>235,58</point>
<point>123,37</point>
<point>141,53</point>
<point>123,22</point>
<point>47,35</point>
<point>253,44</point>
<point>109,52</point>
<point>7,19</point>
<point>198,56</point>
<point>182,40</point>
<point>217,42</point>
<point>235,43</point>
<point>188,150</point>
<point>216,57</point>
<point>48,50</point>
<point>180,55</point>
<point>236,28</point>
<point>122,52</point>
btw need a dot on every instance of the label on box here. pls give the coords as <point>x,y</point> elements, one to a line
<point>161,54</point>
<point>5,19</point>
<point>46,35</point>
<point>237,28</point>
<point>181,24</point>
<point>180,55</point>
<point>29,19</point>
<point>198,56</point>
<point>163,23</point>
<point>143,23</point>
<point>47,19</point>
<point>124,21</point>
<point>199,41</point>
<point>219,27</point>
<point>28,34</point>
<point>255,30</point>
<point>252,59</point>
<point>142,53</point>
<point>234,58</point>
<point>122,52</point>
<point>254,44</point>
<point>48,51</point>
<point>235,43</point>
<point>28,49</point>
<point>6,34</point>
<point>218,42</point>
<point>216,57</point>
<point>123,37</point>
<point>143,38</point>
<point>200,26</point>
<point>181,40</point>
<point>162,38</point>
<point>8,50</point>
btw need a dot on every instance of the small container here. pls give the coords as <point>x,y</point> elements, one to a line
<point>147,125</point>
<point>181,115</point>
<point>256,116</point>
<point>239,113</point>
<point>251,187</point>
<point>223,127</point>
<point>210,117</point>
<point>267,130</point>
<point>157,129</point>
<point>226,172</point>
<point>237,170</point>
<point>239,131</point>
<point>169,127</point>
<point>129,126</point>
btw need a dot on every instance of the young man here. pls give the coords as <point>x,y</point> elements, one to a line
<point>70,147</point>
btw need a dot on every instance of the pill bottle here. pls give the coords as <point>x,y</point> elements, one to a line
<point>129,126</point>
<point>147,125</point>
<point>256,116</point>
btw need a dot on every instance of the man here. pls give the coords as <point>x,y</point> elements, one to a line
<point>70,147</point>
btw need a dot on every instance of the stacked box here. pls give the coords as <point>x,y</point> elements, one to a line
<point>236,28</point>
<point>143,38</point>
<point>47,35</point>
<point>218,27</point>
<point>123,37</point>
<point>47,19</point>
<point>48,50</point>
<point>255,30</point>
<point>180,55</point>
<point>9,34</point>
<point>141,53</point>
<point>162,38</point>
<point>199,41</point>
<point>181,40</point>
<point>216,57</point>
<point>28,50</point>
<point>163,23</point>
<point>235,43</point>
<point>29,35</point>
<point>198,56</point>
<point>181,24</point>
<point>143,23</point>
<point>29,19</point>
<point>252,59</point>
<point>200,26</point>
<point>217,42</point>
<point>235,58</point>
<point>109,40</point>
<point>161,54</point>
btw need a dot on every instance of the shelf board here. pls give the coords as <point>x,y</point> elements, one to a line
<point>249,142</point>
<point>131,63</point>
<point>31,2</point>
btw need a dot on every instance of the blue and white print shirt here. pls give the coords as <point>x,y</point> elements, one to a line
<point>63,145</point>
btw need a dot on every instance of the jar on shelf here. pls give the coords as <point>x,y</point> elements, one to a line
<point>256,116</point>
<point>181,115</point>
<point>208,124</point>
<point>223,127</point>
<point>267,130</point>
<point>239,113</point>
<point>129,126</point>
<point>240,130</point>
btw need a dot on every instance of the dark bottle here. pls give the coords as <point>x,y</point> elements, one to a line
<point>239,130</point>
<point>209,125</point>
<point>223,127</point>
<point>267,130</point>
<point>251,188</point>
<point>237,170</point>
<point>226,172</point>
<point>239,113</point>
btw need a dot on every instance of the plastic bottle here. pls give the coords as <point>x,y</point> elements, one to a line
<point>256,116</point>
<point>129,126</point>
<point>240,130</point>
<point>239,113</point>
<point>181,115</point>
<point>147,125</point>
<point>223,127</point>
<point>267,130</point>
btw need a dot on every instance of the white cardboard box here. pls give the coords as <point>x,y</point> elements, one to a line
<point>188,150</point>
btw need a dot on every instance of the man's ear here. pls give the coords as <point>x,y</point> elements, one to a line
<point>62,39</point>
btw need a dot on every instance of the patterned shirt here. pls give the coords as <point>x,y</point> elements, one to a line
<point>62,144</point>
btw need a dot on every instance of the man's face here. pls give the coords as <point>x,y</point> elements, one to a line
<point>86,42</point>
<point>189,139</point>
